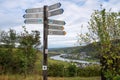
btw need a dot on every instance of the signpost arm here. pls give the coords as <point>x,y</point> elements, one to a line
<point>45,42</point>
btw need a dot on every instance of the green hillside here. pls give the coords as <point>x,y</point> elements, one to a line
<point>90,50</point>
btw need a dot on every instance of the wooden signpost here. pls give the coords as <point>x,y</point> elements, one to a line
<point>51,27</point>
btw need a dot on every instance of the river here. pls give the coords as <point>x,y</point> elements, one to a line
<point>58,57</point>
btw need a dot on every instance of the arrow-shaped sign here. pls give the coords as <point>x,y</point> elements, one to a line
<point>37,10</point>
<point>55,27</point>
<point>40,21</point>
<point>55,12</point>
<point>40,15</point>
<point>33,21</point>
<point>54,6</point>
<point>34,10</point>
<point>59,32</point>
<point>56,22</point>
<point>33,16</point>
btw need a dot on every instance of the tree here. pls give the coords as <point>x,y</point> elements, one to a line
<point>8,38</point>
<point>104,29</point>
<point>28,43</point>
<point>22,58</point>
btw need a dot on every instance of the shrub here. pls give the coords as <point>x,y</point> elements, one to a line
<point>93,70</point>
<point>71,70</point>
<point>16,61</point>
<point>116,78</point>
<point>5,60</point>
<point>56,70</point>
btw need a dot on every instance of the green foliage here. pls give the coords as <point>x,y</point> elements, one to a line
<point>8,38</point>
<point>71,70</point>
<point>105,27</point>
<point>56,70</point>
<point>5,60</point>
<point>21,59</point>
<point>93,70</point>
<point>27,39</point>
<point>116,77</point>
<point>59,70</point>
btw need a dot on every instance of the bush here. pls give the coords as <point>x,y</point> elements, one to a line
<point>19,62</point>
<point>16,61</point>
<point>56,70</point>
<point>5,60</point>
<point>93,70</point>
<point>116,78</point>
<point>71,70</point>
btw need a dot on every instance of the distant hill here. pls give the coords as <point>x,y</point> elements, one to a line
<point>90,49</point>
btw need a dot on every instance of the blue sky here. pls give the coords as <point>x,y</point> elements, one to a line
<point>76,13</point>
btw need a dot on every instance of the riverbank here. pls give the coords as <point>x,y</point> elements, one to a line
<point>58,57</point>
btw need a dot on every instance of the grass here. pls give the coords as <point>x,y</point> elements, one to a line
<point>38,63</point>
<point>38,70</point>
<point>38,77</point>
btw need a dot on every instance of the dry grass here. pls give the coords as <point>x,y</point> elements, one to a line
<point>37,77</point>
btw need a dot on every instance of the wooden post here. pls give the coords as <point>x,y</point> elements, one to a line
<point>45,43</point>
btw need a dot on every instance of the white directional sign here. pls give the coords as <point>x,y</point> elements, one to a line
<point>57,22</point>
<point>54,6</point>
<point>33,16</point>
<point>55,32</point>
<point>33,21</point>
<point>37,10</point>
<point>34,10</point>
<point>55,27</point>
<point>40,21</point>
<point>55,12</point>
<point>40,15</point>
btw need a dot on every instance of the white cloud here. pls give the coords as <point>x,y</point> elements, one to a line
<point>112,4</point>
<point>76,13</point>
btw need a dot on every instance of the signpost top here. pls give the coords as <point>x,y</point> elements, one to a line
<point>37,10</point>
<point>55,12</point>
<point>54,6</point>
